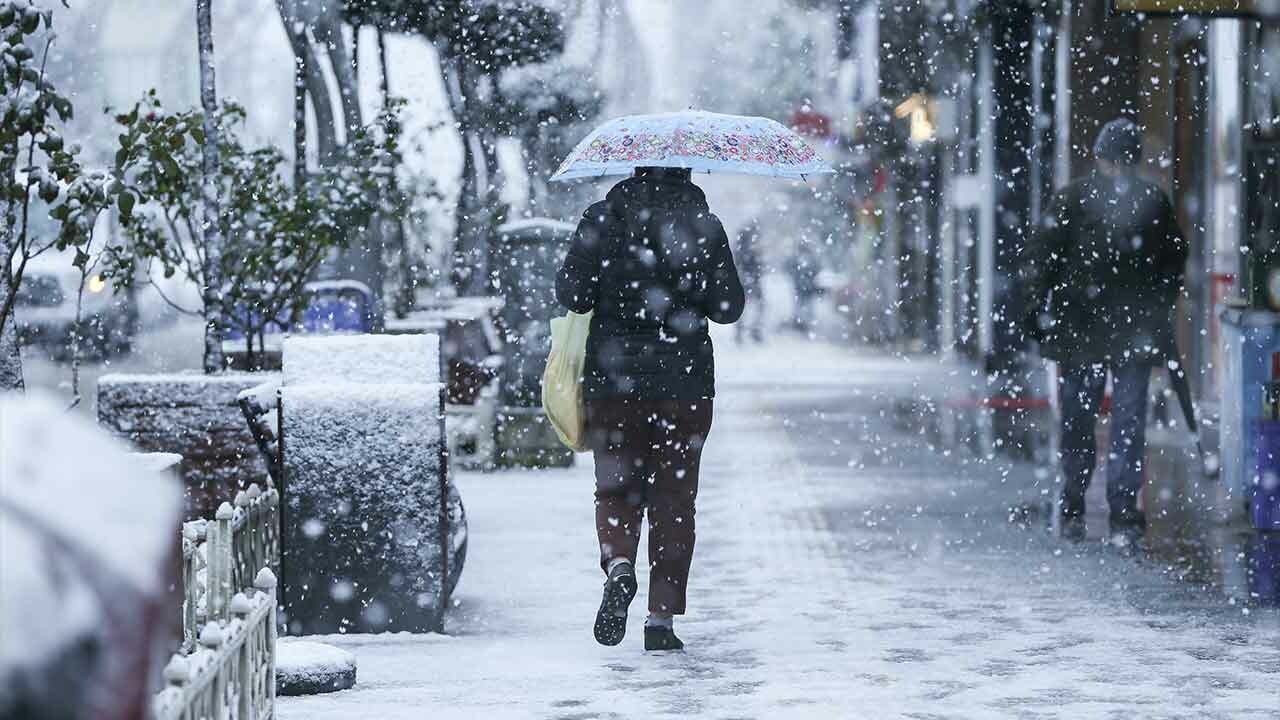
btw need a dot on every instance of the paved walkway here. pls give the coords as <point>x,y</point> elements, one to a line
<point>844,569</point>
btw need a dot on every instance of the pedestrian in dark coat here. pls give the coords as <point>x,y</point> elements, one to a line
<point>751,265</point>
<point>805,267</point>
<point>1102,280</point>
<point>654,265</point>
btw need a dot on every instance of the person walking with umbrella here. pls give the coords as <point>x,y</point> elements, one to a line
<point>1101,282</point>
<point>653,265</point>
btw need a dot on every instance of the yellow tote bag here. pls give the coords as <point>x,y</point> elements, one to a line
<point>562,380</point>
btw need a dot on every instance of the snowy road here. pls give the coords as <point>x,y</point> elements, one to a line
<point>843,570</point>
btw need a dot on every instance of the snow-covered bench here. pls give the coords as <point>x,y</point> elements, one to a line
<point>374,534</point>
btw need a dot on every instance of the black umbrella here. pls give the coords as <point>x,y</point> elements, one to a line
<point>1178,377</point>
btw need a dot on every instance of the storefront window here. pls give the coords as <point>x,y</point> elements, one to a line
<point>1262,137</point>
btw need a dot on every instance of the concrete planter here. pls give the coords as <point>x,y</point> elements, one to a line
<point>192,415</point>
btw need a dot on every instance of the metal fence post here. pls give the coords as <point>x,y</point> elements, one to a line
<point>221,563</point>
<point>265,583</point>
<point>211,639</point>
<point>241,608</point>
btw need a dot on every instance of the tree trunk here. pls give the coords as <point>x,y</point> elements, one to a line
<point>538,162</point>
<point>406,298</point>
<point>384,81</point>
<point>77,338</point>
<point>210,222</point>
<point>313,78</point>
<point>321,106</point>
<point>355,56</point>
<point>603,10</point>
<point>363,260</point>
<point>467,254</point>
<point>301,53</point>
<point>328,32</point>
<point>10,356</point>
<point>469,257</point>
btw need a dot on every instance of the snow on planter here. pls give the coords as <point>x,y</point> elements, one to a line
<point>365,359</point>
<point>366,522</point>
<point>311,668</point>
<point>86,537</point>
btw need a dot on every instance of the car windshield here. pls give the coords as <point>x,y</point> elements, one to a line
<point>39,291</point>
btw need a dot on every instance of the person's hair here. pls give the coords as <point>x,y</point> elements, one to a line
<point>665,173</point>
<point>1119,143</point>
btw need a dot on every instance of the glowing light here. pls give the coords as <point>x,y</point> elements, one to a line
<point>97,284</point>
<point>919,108</point>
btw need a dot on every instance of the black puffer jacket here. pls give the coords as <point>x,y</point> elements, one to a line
<point>654,264</point>
<point>1107,268</point>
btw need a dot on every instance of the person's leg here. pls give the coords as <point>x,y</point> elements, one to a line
<point>678,441</point>
<point>757,313</point>
<point>807,313</point>
<point>744,327</point>
<point>618,435</point>
<point>1080,392</point>
<point>1128,444</point>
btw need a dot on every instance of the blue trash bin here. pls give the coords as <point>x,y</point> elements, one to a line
<point>1265,501</point>
<point>1263,551</point>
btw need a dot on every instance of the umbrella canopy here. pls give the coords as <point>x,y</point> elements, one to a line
<point>701,141</point>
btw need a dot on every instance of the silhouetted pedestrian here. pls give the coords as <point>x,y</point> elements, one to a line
<point>751,267</point>
<point>1102,279</point>
<point>805,266</point>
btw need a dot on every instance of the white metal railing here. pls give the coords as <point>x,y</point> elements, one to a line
<point>232,671</point>
<point>229,550</point>
<point>226,665</point>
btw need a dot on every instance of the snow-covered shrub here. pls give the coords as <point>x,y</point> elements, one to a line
<point>551,92</point>
<point>274,235</point>
<point>39,171</point>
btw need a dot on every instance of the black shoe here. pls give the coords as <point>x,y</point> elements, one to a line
<point>1128,539</point>
<point>619,590</point>
<point>657,637</point>
<point>1128,521</point>
<point>1073,529</point>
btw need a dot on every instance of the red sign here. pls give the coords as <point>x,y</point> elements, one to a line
<point>811,123</point>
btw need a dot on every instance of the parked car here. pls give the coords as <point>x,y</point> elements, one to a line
<point>45,309</point>
<point>333,306</point>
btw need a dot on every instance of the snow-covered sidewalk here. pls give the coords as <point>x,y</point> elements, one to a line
<point>843,569</point>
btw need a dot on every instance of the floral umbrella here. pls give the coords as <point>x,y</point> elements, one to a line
<point>702,141</point>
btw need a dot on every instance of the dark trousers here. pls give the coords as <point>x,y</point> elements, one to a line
<point>647,454</point>
<point>1080,393</point>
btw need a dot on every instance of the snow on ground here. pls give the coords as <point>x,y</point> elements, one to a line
<point>303,665</point>
<point>843,569</point>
